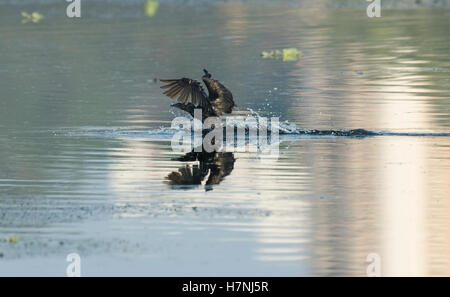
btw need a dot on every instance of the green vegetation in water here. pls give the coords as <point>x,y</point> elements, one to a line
<point>286,54</point>
<point>34,17</point>
<point>12,239</point>
<point>151,7</point>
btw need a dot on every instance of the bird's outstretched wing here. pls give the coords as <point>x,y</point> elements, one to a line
<point>222,166</point>
<point>221,98</point>
<point>217,164</point>
<point>186,175</point>
<point>186,91</point>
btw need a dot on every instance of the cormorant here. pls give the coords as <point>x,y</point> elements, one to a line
<point>191,95</point>
<point>215,165</point>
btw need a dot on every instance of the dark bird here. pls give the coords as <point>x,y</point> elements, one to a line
<point>190,95</point>
<point>213,167</point>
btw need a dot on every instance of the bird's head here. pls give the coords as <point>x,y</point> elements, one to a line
<point>207,74</point>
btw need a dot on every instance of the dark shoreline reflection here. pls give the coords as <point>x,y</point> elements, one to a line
<point>213,166</point>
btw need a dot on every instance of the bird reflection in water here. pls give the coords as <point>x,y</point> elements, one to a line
<point>212,167</point>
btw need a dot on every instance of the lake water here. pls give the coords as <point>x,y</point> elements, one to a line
<point>85,148</point>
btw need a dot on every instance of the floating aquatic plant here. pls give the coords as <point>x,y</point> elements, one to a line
<point>34,17</point>
<point>287,54</point>
<point>151,7</point>
<point>12,239</point>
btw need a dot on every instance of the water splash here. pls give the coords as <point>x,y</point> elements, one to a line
<point>241,121</point>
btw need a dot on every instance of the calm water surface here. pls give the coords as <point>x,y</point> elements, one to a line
<point>85,152</point>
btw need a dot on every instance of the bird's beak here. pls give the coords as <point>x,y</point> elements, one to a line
<point>207,74</point>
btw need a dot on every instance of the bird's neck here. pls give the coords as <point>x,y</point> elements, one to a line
<point>209,83</point>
